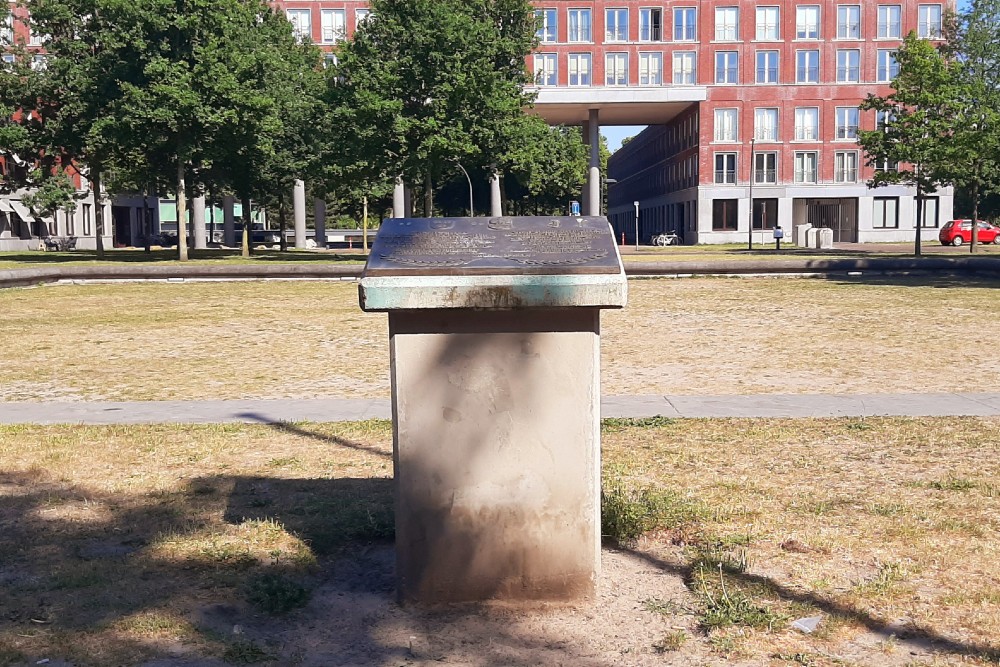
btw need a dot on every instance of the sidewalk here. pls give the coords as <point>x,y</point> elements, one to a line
<point>341,409</point>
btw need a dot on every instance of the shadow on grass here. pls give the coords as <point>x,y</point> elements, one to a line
<point>168,255</point>
<point>937,281</point>
<point>288,427</point>
<point>915,637</point>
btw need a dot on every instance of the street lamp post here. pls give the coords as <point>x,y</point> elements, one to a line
<point>636,204</point>
<point>471,209</point>
<point>753,155</point>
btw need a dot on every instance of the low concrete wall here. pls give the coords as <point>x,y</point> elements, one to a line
<point>979,266</point>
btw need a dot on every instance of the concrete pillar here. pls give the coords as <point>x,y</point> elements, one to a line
<point>585,194</point>
<point>319,214</point>
<point>399,209</point>
<point>594,174</point>
<point>229,220</point>
<point>198,223</point>
<point>299,212</point>
<point>407,202</point>
<point>496,204</point>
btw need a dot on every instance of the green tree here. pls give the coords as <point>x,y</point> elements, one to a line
<point>549,169</point>
<point>915,123</point>
<point>973,147</point>
<point>433,82</point>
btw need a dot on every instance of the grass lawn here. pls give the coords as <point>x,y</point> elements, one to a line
<point>239,542</point>
<point>25,260</point>
<point>309,339</point>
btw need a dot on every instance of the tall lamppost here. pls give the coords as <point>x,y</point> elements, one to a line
<point>753,156</point>
<point>636,204</point>
<point>472,213</point>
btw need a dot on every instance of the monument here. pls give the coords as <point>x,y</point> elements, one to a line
<point>494,340</point>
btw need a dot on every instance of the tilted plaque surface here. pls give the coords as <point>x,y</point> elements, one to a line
<point>507,245</point>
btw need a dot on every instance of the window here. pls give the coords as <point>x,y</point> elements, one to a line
<point>725,214</point>
<point>684,24</point>
<point>651,24</point>
<point>765,124</point>
<point>888,21</point>
<point>930,205</point>
<point>807,66</point>
<point>767,23</point>
<point>849,22</point>
<point>725,168</point>
<point>726,67</point>
<point>765,213</point>
<point>616,69</point>
<point>885,215</point>
<point>334,25</point>
<point>8,58</point>
<point>882,120</point>
<point>848,66</point>
<point>765,168</point>
<point>545,69</point>
<point>929,21</point>
<point>805,167</point>
<point>360,16</point>
<point>616,25</point>
<point>301,23</point>
<point>579,25</point>
<point>579,69</point>
<point>726,125</point>
<point>807,123</point>
<point>546,19</point>
<point>685,68</point>
<point>807,22</point>
<point>845,168</point>
<point>767,67</point>
<point>887,166</point>
<point>34,39</point>
<point>70,222</point>
<point>727,24</point>
<point>888,69</point>
<point>87,231</point>
<point>847,123</point>
<point>7,30</point>
<point>39,62</point>
<point>650,69</point>
<point>329,59</point>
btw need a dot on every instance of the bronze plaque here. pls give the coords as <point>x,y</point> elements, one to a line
<point>507,245</point>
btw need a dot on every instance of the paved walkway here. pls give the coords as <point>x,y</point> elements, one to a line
<point>333,409</point>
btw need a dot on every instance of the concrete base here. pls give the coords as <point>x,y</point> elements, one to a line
<point>497,453</point>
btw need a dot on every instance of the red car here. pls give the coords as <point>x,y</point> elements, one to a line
<point>957,232</point>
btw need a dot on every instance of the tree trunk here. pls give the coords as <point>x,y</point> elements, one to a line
<point>920,220</point>
<point>428,195</point>
<point>364,224</point>
<point>95,185</point>
<point>974,244</point>
<point>147,223</point>
<point>282,241</point>
<point>245,243</point>
<point>182,244</point>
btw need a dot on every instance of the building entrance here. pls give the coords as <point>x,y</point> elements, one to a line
<point>840,215</point>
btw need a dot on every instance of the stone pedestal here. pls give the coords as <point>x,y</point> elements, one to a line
<point>496,402</point>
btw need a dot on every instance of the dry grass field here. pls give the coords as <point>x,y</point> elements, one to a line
<point>214,545</point>
<point>309,339</point>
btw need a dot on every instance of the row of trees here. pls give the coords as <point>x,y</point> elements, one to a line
<point>185,96</point>
<point>940,125</point>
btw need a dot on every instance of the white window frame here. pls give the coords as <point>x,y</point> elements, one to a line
<point>726,127</point>
<point>890,22</point>
<point>650,68</point>
<point>846,124</point>
<point>300,30</point>
<point>770,73</point>
<point>580,70</point>
<point>765,175</point>
<point>806,167</point>
<point>332,30</point>
<point>685,68</point>
<point>848,21</point>
<point>887,67</point>
<point>765,124</point>
<point>7,28</point>
<point>547,20</point>
<point>768,27</point>
<point>805,130</point>
<point>803,71</point>
<point>848,68</point>
<point>616,69</point>
<point>546,69</point>
<point>808,19</point>
<point>579,31</point>
<point>727,24</point>
<point>650,24</point>
<point>880,213</point>
<point>727,174</point>
<point>687,27</point>
<point>728,74</point>
<point>845,167</point>
<point>361,15</point>
<point>929,25</point>
<point>615,29</point>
